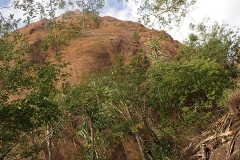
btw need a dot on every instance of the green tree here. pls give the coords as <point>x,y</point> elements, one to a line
<point>188,96</point>
<point>164,13</point>
<point>133,110</point>
<point>89,101</point>
<point>27,93</point>
<point>115,102</point>
<point>90,7</point>
<point>128,99</point>
<point>131,107</point>
<point>213,42</point>
<point>189,91</point>
<point>15,79</point>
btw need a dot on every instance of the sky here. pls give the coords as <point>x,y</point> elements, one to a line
<point>217,10</point>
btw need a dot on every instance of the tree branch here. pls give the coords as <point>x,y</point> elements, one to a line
<point>6,7</point>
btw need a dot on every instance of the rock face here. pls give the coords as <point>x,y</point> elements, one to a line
<point>92,48</point>
<point>95,46</point>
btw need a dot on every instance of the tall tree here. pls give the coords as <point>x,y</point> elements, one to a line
<point>88,100</point>
<point>213,42</point>
<point>27,91</point>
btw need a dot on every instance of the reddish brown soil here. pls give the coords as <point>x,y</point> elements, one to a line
<point>95,47</point>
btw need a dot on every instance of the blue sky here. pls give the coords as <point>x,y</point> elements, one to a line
<point>216,10</point>
<point>4,3</point>
<point>115,4</point>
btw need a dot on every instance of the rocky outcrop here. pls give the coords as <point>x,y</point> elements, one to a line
<point>95,46</point>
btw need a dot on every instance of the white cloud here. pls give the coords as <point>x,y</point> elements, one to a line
<point>127,12</point>
<point>18,13</point>
<point>216,10</point>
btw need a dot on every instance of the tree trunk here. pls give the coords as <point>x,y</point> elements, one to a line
<point>93,155</point>
<point>137,136</point>
<point>49,143</point>
<point>83,16</point>
<point>140,145</point>
<point>151,132</point>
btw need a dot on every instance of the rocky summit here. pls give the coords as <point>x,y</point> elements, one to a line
<point>95,46</point>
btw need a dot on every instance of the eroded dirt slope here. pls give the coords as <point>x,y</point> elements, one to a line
<point>95,46</point>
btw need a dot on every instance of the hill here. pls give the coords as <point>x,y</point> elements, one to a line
<point>95,46</point>
<point>161,121</point>
<point>92,48</point>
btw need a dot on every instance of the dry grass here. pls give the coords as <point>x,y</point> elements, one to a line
<point>233,102</point>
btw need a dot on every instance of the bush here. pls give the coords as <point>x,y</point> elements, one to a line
<point>187,90</point>
<point>135,36</point>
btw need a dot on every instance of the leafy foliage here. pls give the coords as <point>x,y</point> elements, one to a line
<point>214,42</point>
<point>28,94</point>
<point>135,36</point>
<point>187,88</point>
<point>164,13</point>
